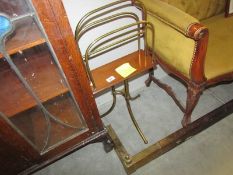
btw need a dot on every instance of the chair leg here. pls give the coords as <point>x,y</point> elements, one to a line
<point>193,95</point>
<point>150,78</point>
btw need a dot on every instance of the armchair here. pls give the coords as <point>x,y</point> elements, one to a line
<point>193,41</point>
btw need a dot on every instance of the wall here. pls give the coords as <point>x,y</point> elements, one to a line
<point>78,8</point>
<point>231,7</point>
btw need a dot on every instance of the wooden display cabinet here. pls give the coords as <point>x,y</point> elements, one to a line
<point>47,109</point>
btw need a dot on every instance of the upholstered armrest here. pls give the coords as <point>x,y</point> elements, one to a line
<point>170,15</point>
<point>177,36</point>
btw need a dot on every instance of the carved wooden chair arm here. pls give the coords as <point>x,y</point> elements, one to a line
<point>200,34</point>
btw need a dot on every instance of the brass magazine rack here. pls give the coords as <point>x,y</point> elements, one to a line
<point>140,60</point>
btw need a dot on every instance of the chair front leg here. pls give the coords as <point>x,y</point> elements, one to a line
<point>150,78</point>
<point>193,95</point>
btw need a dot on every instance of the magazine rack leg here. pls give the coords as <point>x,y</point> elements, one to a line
<point>113,103</point>
<point>126,94</point>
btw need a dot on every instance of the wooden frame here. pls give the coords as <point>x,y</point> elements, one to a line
<point>54,19</point>
<point>229,8</point>
<point>19,155</point>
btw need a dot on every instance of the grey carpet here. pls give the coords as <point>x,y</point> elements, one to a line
<point>209,152</point>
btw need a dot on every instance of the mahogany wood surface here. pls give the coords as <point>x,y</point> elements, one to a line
<point>137,60</point>
<point>16,153</point>
<point>201,35</point>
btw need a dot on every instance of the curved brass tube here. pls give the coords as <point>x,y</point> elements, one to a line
<point>85,19</point>
<point>127,98</point>
<point>113,103</point>
<point>81,31</point>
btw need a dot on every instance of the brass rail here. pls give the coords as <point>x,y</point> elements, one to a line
<point>92,15</point>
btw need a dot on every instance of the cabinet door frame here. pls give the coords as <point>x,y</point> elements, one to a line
<point>55,22</point>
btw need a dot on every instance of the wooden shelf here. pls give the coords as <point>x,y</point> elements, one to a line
<point>138,60</point>
<point>39,71</point>
<point>26,35</point>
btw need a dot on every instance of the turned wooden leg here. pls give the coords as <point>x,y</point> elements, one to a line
<point>193,95</point>
<point>148,81</point>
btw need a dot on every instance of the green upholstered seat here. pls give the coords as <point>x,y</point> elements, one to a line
<point>199,9</point>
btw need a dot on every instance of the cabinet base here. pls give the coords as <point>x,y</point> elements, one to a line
<point>101,136</point>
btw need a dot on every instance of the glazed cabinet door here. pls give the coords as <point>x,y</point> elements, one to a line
<point>45,103</point>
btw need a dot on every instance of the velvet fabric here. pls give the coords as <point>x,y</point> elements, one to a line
<point>169,14</point>
<point>171,44</point>
<point>200,9</point>
<point>219,57</point>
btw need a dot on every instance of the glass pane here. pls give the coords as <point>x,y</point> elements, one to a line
<point>26,34</point>
<point>35,96</point>
<point>14,8</point>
